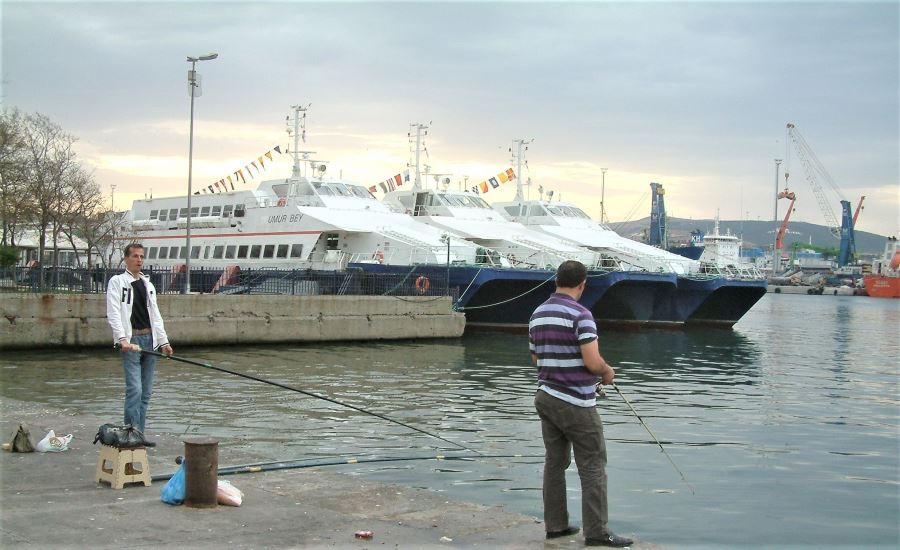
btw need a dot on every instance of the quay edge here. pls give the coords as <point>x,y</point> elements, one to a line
<point>79,320</point>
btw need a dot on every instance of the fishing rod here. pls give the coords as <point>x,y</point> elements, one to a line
<point>646,427</point>
<point>337,461</point>
<point>304,392</point>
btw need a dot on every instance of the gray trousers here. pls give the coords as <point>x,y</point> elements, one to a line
<point>565,426</point>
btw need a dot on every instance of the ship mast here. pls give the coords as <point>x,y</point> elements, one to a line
<point>517,158</point>
<point>420,135</point>
<point>298,132</point>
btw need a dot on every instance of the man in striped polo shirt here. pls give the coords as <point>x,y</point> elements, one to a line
<point>563,341</point>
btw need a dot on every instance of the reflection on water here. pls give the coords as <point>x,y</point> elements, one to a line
<point>787,424</point>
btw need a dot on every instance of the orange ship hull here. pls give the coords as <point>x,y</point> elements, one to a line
<point>880,286</point>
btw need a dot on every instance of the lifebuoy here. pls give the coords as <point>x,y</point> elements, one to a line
<point>422,284</point>
<point>378,256</point>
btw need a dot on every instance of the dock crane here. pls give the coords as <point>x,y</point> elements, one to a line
<point>858,208</point>
<point>779,238</point>
<point>815,171</point>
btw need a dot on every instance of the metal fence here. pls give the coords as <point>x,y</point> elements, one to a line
<point>307,282</point>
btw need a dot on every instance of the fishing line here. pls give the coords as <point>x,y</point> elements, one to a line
<point>646,427</point>
<point>338,461</point>
<point>311,394</point>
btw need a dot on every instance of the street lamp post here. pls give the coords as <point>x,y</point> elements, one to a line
<point>195,91</point>
<point>603,196</point>
<point>776,254</point>
<point>446,237</point>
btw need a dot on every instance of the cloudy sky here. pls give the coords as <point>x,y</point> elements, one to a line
<point>692,95</point>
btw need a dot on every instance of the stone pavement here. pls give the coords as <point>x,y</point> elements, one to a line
<point>52,500</point>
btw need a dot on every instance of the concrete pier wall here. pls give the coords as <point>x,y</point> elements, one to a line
<point>76,320</point>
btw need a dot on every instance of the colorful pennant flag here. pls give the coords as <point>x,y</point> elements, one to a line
<point>494,183</point>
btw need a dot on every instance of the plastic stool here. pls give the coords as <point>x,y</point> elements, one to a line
<point>122,466</point>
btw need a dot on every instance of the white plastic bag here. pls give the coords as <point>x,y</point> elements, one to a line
<point>227,494</point>
<point>53,443</point>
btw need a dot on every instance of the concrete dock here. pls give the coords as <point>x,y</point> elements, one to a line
<point>52,500</point>
<point>79,320</point>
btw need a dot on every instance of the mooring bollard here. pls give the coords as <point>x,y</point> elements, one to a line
<point>201,472</point>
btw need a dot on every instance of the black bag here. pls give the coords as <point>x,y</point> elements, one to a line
<point>21,441</point>
<point>121,437</point>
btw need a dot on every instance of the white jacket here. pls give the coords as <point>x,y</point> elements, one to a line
<point>118,309</point>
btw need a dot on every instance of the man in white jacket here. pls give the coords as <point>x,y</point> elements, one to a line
<point>136,324</point>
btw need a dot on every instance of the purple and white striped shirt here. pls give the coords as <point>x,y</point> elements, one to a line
<point>557,330</point>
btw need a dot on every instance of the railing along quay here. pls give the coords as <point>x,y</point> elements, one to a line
<point>304,282</point>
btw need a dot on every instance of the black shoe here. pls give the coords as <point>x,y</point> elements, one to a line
<point>568,531</point>
<point>149,443</point>
<point>609,540</point>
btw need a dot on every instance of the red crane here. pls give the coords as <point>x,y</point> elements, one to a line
<point>779,239</point>
<point>858,208</point>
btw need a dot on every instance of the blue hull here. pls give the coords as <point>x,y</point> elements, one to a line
<point>506,297</point>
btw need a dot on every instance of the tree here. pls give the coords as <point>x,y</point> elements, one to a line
<point>16,207</point>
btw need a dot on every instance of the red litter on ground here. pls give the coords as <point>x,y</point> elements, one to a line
<point>364,534</point>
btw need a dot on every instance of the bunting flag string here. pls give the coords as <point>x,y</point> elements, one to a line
<point>391,184</point>
<point>238,175</point>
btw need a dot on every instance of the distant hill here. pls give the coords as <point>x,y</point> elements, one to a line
<point>755,233</point>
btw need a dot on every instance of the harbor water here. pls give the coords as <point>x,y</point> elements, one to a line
<point>787,428</point>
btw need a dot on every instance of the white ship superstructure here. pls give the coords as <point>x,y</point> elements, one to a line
<point>567,221</point>
<point>472,218</point>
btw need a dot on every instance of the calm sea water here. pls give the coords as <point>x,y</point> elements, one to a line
<point>787,427</point>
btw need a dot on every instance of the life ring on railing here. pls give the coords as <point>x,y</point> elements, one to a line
<point>422,284</point>
<point>282,201</point>
<point>378,256</point>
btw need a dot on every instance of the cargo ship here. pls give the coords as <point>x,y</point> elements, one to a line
<point>884,281</point>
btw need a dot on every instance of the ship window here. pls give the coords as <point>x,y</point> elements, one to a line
<point>153,214</point>
<point>163,252</point>
<point>514,210</point>
<point>217,252</point>
<point>195,252</point>
<point>151,253</point>
<point>361,192</point>
<point>296,251</point>
<point>480,202</point>
<point>174,252</point>
<point>204,211</point>
<point>206,253</point>
<point>229,252</point>
<point>282,251</point>
<point>195,211</point>
<point>239,211</point>
<point>406,201</point>
<point>280,189</point>
<point>269,251</point>
<point>537,210</point>
<point>242,251</point>
<point>182,213</point>
<point>162,215</point>
<point>323,190</point>
<point>226,210</point>
<point>216,211</point>
<point>255,250</point>
<point>331,241</point>
<point>173,214</point>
